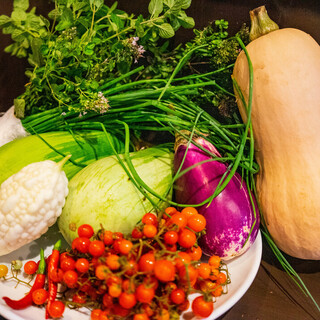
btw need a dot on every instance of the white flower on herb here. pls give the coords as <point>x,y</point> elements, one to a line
<point>136,49</point>
<point>99,105</point>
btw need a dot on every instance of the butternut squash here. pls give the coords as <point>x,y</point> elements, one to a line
<point>285,121</point>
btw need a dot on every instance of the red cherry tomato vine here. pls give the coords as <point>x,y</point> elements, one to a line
<point>148,274</point>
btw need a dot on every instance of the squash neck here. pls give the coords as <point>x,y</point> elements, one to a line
<point>261,23</point>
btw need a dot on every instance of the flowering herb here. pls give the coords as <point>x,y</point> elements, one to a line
<point>83,44</point>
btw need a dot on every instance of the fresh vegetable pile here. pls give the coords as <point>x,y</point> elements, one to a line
<point>147,274</point>
<point>108,93</point>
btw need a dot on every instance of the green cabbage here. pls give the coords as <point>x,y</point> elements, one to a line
<point>103,194</point>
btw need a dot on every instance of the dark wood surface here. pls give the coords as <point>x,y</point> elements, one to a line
<point>273,295</point>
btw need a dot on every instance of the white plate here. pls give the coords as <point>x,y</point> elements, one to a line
<point>242,273</point>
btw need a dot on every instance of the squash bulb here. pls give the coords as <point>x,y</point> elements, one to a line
<point>285,121</point>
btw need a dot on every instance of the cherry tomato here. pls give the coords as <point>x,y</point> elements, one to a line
<point>179,219</point>
<point>207,285</point>
<point>189,211</point>
<point>119,310</point>
<point>164,270</point>
<point>146,262</point>
<point>74,243</point>
<point>113,279</point>
<point>163,315</point>
<point>104,315</point>
<point>217,291</point>
<point>196,222</point>
<point>221,278</point>
<point>102,288</point>
<point>30,267</point>
<point>147,309</point>
<point>128,286</point>
<point>96,248</point>
<point>112,262</point>
<point>204,270</point>
<point>144,294</point>
<point>85,230</point>
<point>184,258</point>
<point>125,246</point>
<point>118,235</point>
<point>108,238</point>
<point>214,274</point>
<point>127,300</point>
<point>184,305</point>
<point>188,274</point>
<point>170,211</point>
<point>187,238</point>
<point>107,300</point>
<point>195,253</point>
<point>172,247</point>
<point>85,285</point>
<point>64,255</point>
<point>116,245</point>
<point>115,290</point>
<point>83,244</point>
<point>67,264</point>
<point>136,233</point>
<point>150,230</point>
<point>170,286</point>
<point>171,237</point>
<point>70,278</point>
<point>150,218</point>
<point>201,307</point>
<point>82,265</point>
<point>214,261</point>
<point>151,282</point>
<point>177,296</point>
<point>102,271</point>
<point>79,298</point>
<point>56,309</point>
<point>40,296</point>
<point>95,313</point>
<point>140,316</point>
<point>131,267</point>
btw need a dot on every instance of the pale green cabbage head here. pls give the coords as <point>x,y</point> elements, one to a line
<point>103,194</point>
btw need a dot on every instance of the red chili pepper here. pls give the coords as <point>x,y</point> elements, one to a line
<point>52,267</point>
<point>39,282</point>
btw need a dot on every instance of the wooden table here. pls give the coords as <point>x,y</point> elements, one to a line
<point>273,295</point>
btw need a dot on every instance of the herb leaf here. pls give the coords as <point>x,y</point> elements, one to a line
<point>21,4</point>
<point>166,30</point>
<point>155,8</point>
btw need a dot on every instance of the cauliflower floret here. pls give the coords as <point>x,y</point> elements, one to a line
<point>30,202</point>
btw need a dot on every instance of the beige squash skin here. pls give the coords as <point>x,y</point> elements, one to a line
<point>286,123</point>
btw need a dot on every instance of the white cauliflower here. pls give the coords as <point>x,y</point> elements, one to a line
<point>10,127</point>
<point>31,201</point>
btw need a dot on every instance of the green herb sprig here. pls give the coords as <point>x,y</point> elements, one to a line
<point>83,44</point>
